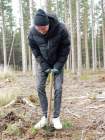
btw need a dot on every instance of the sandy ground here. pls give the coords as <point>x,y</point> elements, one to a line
<point>82,112</point>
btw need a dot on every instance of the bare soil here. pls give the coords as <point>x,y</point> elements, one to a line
<point>82,112</point>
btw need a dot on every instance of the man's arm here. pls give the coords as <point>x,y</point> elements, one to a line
<point>63,50</point>
<point>36,51</point>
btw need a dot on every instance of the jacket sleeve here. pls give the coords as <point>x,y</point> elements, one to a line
<point>36,51</point>
<point>63,50</point>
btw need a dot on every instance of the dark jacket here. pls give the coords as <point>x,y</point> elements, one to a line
<point>50,50</point>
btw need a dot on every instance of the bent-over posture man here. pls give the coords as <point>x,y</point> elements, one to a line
<point>50,44</point>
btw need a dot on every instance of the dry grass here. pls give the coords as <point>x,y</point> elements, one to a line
<point>85,77</point>
<point>5,99</point>
<point>9,75</point>
<point>13,129</point>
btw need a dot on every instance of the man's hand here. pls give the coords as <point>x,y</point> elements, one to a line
<point>55,71</point>
<point>48,71</point>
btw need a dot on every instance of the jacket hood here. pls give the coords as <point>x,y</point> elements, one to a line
<point>53,23</point>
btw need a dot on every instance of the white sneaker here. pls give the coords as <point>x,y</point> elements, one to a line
<point>41,123</point>
<point>57,124</point>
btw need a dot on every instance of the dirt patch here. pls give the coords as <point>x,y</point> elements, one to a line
<point>82,115</point>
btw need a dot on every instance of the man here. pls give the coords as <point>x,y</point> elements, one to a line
<point>50,44</point>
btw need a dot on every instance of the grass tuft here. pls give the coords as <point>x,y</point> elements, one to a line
<point>67,124</point>
<point>85,77</point>
<point>8,76</point>
<point>33,131</point>
<point>12,129</point>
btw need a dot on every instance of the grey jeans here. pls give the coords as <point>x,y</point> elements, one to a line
<point>41,85</point>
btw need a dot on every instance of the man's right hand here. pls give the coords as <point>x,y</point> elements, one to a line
<point>47,70</point>
<point>55,71</point>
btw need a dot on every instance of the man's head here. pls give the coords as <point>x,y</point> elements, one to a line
<point>41,22</point>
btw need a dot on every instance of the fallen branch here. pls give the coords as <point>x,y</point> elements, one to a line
<point>19,100</point>
<point>75,115</point>
<point>95,107</point>
<point>11,103</point>
<point>27,102</point>
<point>82,135</point>
<point>71,98</point>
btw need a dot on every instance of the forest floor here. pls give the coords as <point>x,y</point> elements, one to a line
<point>82,112</point>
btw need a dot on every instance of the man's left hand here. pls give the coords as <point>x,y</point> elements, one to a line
<point>55,71</point>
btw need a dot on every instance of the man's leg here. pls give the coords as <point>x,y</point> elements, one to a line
<point>58,81</point>
<point>41,85</point>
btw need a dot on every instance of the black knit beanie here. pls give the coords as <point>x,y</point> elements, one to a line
<point>41,18</point>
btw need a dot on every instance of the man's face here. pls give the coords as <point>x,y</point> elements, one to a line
<point>42,29</point>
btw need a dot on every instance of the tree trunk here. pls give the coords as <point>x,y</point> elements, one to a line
<point>4,38</point>
<point>93,39</point>
<point>31,21</point>
<point>79,38</point>
<point>72,38</point>
<point>98,49</point>
<point>46,5</point>
<point>103,30</point>
<point>86,37</point>
<point>30,54</point>
<point>57,11</point>
<point>24,57</point>
<point>66,4</point>
<point>86,49</point>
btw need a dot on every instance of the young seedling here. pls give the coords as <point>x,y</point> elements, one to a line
<point>67,124</point>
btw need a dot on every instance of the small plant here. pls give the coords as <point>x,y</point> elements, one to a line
<point>12,129</point>
<point>67,124</point>
<point>49,129</point>
<point>33,131</point>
